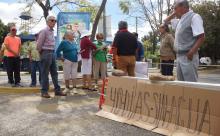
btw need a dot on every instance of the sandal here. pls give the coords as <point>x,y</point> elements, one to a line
<point>92,89</point>
<point>85,87</point>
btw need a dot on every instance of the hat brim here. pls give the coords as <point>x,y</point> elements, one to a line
<point>83,35</point>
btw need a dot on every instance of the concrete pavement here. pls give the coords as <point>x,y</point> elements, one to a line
<point>74,115</point>
<point>27,114</point>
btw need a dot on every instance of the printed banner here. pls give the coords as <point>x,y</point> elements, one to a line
<point>162,107</point>
<point>75,21</point>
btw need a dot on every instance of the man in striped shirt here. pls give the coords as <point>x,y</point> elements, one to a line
<point>46,48</point>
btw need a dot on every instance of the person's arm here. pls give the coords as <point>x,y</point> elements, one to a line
<point>142,51</point>
<point>19,48</point>
<point>170,17</point>
<point>30,51</point>
<point>170,39</point>
<point>30,57</point>
<point>2,50</point>
<point>199,33</point>
<point>40,41</point>
<point>137,48</point>
<point>198,44</point>
<point>92,45</point>
<point>58,52</point>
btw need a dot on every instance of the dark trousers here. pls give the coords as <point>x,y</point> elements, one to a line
<point>167,67</point>
<point>48,64</point>
<point>35,65</point>
<point>13,69</point>
<point>25,64</point>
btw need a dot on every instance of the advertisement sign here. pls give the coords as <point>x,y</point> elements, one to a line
<point>75,21</point>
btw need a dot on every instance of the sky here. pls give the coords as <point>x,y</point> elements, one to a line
<point>11,9</point>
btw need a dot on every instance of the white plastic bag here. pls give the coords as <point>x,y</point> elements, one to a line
<point>141,69</point>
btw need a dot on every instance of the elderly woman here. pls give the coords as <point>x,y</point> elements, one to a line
<point>69,57</point>
<point>100,60</point>
<point>167,54</point>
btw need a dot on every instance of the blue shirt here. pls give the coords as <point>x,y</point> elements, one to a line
<point>140,52</point>
<point>69,50</point>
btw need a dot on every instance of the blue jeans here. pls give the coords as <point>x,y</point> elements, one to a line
<point>35,65</point>
<point>167,67</point>
<point>48,64</point>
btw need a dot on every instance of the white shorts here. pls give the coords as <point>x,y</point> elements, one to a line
<point>70,69</point>
<point>86,67</point>
<point>79,58</point>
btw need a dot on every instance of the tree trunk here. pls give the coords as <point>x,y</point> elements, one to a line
<point>98,15</point>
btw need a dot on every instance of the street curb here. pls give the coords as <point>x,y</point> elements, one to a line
<point>13,90</point>
<point>20,90</point>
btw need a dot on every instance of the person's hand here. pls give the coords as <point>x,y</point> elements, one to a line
<point>190,55</point>
<point>62,59</point>
<point>103,48</point>
<point>174,13</point>
<point>16,54</point>
<point>40,51</point>
<point>170,17</point>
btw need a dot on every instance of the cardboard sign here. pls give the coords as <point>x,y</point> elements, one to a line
<point>162,107</point>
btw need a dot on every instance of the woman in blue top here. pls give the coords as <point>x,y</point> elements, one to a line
<point>69,49</point>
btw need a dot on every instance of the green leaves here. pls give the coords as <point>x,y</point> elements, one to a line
<point>3,31</point>
<point>125,6</point>
<point>210,12</point>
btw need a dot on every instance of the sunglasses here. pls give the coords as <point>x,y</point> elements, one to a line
<point>52,20</point>
<point>13,30</point>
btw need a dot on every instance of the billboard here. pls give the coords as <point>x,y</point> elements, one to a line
<point>75,21</point>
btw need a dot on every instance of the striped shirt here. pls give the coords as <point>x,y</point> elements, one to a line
<point>46,40</point>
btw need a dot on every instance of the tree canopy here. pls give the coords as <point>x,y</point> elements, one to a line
<point>82,5</point>
<point>3,31</point>
<point>210,12</point>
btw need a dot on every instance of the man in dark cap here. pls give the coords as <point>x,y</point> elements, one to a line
<point>126,46</point>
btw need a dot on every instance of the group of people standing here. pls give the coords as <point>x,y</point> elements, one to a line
<point>126,49</point>
<point>11,57</point>
<point>91,54</point>
<point>184,46</point>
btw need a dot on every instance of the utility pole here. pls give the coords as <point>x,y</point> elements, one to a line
<point>136,24</point>
<point>104,24</point>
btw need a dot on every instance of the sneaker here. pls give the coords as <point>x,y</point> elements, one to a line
<point>92,89</point>
<point>60,94</point>
<point>46,95</point>
<point>18,85</point>
<point>96,86</point>
<point>66,90</point>
<point>74,91</point>
<point>32,85</point>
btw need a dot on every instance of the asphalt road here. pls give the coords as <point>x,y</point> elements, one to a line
<point>74,115</point>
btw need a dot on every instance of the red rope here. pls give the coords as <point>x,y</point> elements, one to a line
<point>102,98</point>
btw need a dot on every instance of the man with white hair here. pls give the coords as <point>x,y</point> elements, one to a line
<point>189,36</point>
<point>46,48</point>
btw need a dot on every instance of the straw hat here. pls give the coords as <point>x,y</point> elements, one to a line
<point>85,33</point>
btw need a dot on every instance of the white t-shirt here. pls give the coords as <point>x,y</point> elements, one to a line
<point>197,24</point>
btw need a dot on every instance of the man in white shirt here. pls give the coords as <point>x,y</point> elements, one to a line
<point>189,36</point>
